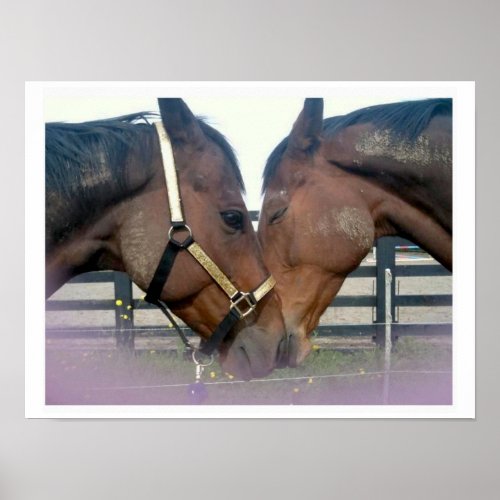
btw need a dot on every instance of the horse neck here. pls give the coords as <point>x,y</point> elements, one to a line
<point>82,233</point>
<point>396,215</point>
<point>407,184</point>
<point>90,248</point>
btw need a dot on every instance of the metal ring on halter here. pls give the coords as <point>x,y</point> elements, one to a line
<point>177,228</point>
<point>210,361</point>
<point>244,305</point>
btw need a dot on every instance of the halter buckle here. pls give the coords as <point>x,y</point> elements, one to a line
<point>177,228</point>
<point>244,304</point>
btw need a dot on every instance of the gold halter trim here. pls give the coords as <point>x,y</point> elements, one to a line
<point>174,194</point>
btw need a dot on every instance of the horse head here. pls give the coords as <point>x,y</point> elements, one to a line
<point>314,227</point>
<point>130,226</point>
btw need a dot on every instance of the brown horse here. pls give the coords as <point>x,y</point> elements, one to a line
<point>333,186</point>
<point>107,208</point>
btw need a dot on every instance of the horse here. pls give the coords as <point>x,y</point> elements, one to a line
<point>116,194</point>
<point>333,186</point>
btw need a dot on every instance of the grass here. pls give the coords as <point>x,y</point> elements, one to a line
<point>327,377</point>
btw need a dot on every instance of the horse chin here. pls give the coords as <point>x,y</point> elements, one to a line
<point>248,356</point>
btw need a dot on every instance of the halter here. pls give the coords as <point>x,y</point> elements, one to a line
<point>241,304</point>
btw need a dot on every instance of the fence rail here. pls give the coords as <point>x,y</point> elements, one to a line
<point>385,259</point>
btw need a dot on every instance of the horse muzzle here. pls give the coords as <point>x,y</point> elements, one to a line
<point>252,354</point>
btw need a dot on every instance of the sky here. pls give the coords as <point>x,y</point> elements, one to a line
<point>253,124</point>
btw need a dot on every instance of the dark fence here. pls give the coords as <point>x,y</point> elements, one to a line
<point>124,303</point>
<point>386,259</point>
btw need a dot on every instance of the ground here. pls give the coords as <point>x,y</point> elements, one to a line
<point>339,371</point>
<point>421,374</point>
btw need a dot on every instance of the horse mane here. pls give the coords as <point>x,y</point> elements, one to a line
<point>74,151</point>
<point>220,140</point>
<point>71,146</point>
<point>404,119</point>
<point>273,163</point>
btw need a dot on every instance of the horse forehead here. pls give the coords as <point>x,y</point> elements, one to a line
<point>230,194</point>
<point>276,195</point>
<point>290,175</point>
<point>205,174</point>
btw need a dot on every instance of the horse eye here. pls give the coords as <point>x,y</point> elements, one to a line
<point>277,215</point>
<point>233,219</point>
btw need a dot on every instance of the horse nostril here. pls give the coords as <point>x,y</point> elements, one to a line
<point>292,350</point>
<point>282,359</point>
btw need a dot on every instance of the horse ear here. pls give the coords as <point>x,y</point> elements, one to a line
<point>180,123</point>
<point>307,129</point>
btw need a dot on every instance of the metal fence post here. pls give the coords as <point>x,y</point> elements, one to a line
<point>386,259</point>
<point>388,335</point>
<point>124,313</point>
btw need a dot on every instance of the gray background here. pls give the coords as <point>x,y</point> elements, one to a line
<point>268,40</point>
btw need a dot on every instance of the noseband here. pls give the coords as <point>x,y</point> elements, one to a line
<point>180,237</point>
